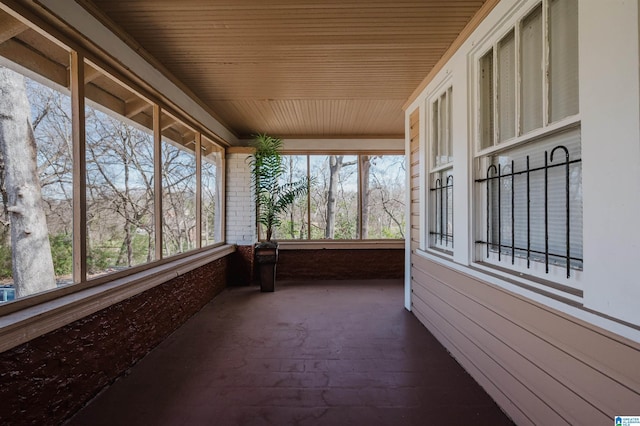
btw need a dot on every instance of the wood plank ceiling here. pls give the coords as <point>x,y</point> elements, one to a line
<point>296,68</point>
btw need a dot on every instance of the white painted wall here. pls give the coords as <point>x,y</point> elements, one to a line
<point>610,109</point>
<point>610,120</point>
<point>241,213</point>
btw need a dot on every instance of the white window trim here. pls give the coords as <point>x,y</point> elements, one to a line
<point>547,297</point>
<point>430,168</point>
<point>510,22</point>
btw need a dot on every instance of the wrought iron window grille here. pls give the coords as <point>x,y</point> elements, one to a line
<point>442,194</point>
<point>497,173</point>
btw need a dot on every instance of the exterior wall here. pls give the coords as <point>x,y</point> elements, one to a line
<point>240,217</point>
<point>241,214</point>
<point>49,378</point>
<point>545,358</point>
<point>540,365</point>
<point>340,264</point>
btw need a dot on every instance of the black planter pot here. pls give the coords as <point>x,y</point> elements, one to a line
<point>267,258</point>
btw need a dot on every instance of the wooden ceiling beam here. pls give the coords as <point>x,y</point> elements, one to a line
<point>10,27</point>
<point>90,74</point>
<point>167,121</point>
<point>34,61</point>
<point>135,106</point>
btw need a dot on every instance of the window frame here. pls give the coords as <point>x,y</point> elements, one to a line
<point>520,137</point>
<point>480,158</point>
<point>359,158</point>
<point>79,56</point>
<point>439,181</point>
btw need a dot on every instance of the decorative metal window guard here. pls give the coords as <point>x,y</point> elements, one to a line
<point>495,172</point>
<point>441,193</point>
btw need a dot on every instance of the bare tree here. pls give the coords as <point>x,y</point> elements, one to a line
<point>365,171</point>
<point>336,163</point>
<point>32,265</point>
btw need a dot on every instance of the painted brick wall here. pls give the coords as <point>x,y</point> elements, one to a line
<point>340,264</point>
<point>48,379</point>
<point>241,213</point>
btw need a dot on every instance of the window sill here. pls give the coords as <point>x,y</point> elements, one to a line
<point>338,245</point>
<point>26,324</point>
<point>510,281</point>
<point>532,291</point>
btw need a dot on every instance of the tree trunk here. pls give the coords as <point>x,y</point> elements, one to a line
<point>31,253</point>
<point>366,166</point>
<point>335,164</point>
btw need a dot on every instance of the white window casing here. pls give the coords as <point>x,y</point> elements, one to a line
<point>528,215</point>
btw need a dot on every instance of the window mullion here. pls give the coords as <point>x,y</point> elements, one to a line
<point>518,76</point>
<point>447,132</point>
<point>309,198</point>
<point>79,169</point>
<point>198,189</point>
<point>437,134</point>
<point>360,197</point>
<point>494,94</point>
<point>157,177</point>
<point>545,64</point>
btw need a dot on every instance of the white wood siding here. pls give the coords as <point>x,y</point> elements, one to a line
<point>544,360</point>
<point>540,365</point>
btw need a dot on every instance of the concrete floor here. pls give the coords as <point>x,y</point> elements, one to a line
<point>312,353</point>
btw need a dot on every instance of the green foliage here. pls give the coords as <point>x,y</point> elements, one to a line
<point>99,259</point>
<point>5,261</point>
<point>272,197</point>
<point>140,245</point>
<point>62,254</point>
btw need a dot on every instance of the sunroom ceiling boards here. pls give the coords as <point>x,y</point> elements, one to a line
<point>295,68</point>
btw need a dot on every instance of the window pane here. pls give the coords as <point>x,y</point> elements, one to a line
<point>178,187</point>
<point>486,100</point>
<point>293,224</point>
<point>211,192</point>
<point>441,206</point>
<point>563,58</point>
<point>119,155</point>
<point>35,101</point>
<point>334,196</point>
<point>531,53</point>
<point>383,178</point>
<point>449,141</point>
<point>442,134</point>
<point>443,157</point>
<point>512,226</point>
<point>435,132</point>
<point>507,87</point>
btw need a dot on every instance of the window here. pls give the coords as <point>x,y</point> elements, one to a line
<point>383,182</point>
<point>294,223</point>
<point>36,163</point>
<point>350,197</point>
<point>528,159</point>
<point>119,161</point>
<point>211,178</point>
<point>120,195</point>
<point>441,173</point>
<point>178,187</point>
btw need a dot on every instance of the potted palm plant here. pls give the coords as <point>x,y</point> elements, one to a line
<point>273,197</point>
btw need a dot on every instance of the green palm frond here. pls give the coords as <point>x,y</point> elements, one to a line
<point>272,197</point>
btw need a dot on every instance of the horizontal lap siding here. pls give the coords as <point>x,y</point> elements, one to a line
<point>414,169</point>
<point>541,366</point>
